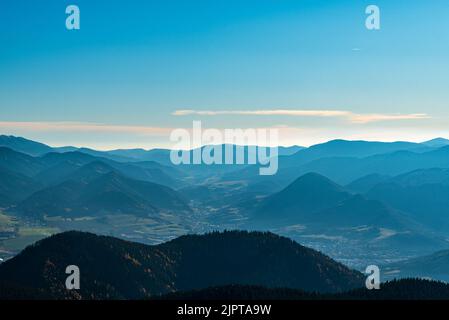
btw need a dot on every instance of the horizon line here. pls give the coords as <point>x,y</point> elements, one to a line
<point>55,146</point>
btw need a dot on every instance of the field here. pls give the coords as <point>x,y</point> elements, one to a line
<point>15,234</point>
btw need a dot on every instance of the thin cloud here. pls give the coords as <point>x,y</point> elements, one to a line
<point>366,118</point>
<point>83,127</point>
<point>348,115</point>
<point>277,112</point>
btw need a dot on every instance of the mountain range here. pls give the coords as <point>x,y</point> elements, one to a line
<point>359,202</point>
<point>344,167</point>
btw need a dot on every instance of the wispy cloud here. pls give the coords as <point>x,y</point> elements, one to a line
<point>83,127</point>
<point>348,115</point>
<point>275,112</point>
<point>377,117</point>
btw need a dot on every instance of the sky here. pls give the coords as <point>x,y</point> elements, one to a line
<point>137,70</point>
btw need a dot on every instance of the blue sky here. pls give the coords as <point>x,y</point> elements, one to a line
<point>125,78</point>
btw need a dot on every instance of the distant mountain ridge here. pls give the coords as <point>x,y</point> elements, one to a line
<point>24,145</point>
<point>437,142</point>
<point>423,193</point>
<point>332,148</point>
<point>96,189</point>
<point>345,161</point>
<point>345,169</point>
<point>53,167</point>
<point>162,156</point>
<point>346,148</point>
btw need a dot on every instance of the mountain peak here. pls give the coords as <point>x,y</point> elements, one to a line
<point>437,142</point>
<point>313,180</point>
<point>299,201</point>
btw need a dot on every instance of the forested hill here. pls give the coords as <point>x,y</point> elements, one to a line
<point>112,268</point>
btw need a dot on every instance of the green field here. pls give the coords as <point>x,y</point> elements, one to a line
<point>22,234</point>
